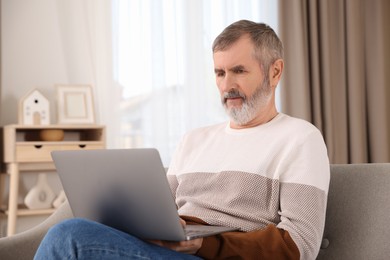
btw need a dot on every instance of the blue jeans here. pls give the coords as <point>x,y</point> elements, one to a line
<point>84,239</point>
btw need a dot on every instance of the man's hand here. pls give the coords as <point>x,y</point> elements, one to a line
<point>187,247</point>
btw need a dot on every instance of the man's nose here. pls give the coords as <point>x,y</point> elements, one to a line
<point>227,83</point>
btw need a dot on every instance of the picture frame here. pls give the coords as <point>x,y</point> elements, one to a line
<point>75,104</point>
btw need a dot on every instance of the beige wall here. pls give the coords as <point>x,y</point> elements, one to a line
<point>44,42</point>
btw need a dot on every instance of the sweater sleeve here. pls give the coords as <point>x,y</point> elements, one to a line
<point>303,194</point>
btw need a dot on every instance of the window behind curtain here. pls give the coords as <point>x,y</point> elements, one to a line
<point>164,68</point>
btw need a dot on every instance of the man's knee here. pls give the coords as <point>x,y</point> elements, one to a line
<point>69,228</point>
<point>59,242</point>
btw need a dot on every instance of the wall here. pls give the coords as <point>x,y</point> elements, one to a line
<point>43,43</point>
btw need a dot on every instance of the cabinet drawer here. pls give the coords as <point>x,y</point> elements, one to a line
<point>41,153</point>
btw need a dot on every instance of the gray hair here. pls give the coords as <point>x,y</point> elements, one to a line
<point>268,47</point>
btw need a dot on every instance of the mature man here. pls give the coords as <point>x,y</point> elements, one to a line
<point>263,172</point>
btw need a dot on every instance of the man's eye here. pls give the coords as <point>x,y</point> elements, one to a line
<point>220,74</point>
<point>239,71</point>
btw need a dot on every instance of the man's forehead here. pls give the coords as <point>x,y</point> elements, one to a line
<point>240,52</point>
<point>227,60</point>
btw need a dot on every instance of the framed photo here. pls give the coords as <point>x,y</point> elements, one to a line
<point>75,104</point>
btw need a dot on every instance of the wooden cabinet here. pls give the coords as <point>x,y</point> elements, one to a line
<point>25,149</point>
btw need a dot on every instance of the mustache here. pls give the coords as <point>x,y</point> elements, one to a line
<point>233,93</point>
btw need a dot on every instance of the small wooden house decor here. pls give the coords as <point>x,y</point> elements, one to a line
<point>34,109</point>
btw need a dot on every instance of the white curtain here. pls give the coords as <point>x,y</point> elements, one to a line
<point>153,65</point>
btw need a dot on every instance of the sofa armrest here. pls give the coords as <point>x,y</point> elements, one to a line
<point>357,215</point>
<point>24,245</point>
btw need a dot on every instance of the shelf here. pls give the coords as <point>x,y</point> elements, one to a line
<point>70,133</point>
<point>64,127</point>
<point>30,212</point>
<point>26,148</point>
<point>33,167</point>
<point>77,142</point>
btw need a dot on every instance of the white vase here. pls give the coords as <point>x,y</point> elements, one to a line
<point>61,198</point>
<point>41,195</point>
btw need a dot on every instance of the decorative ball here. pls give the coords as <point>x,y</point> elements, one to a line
<point>51,135</point>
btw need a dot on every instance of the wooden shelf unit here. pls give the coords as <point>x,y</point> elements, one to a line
<point>24,151</point>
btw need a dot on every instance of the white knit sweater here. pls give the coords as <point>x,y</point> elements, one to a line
<point>276,173</point>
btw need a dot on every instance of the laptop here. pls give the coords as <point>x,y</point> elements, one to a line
<point>126,189</point>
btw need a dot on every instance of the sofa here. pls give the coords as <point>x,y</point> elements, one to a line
<point>357,218</point>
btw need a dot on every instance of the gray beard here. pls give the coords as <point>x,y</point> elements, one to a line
<point>250,106</point>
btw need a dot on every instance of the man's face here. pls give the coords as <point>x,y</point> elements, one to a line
<point>245,90</point>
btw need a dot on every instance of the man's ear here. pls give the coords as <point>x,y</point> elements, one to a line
<point>275,72</point>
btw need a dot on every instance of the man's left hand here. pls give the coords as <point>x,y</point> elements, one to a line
<point>187,247</point>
